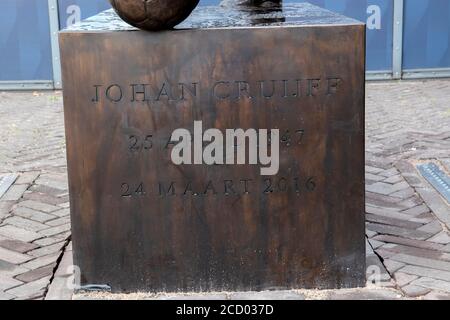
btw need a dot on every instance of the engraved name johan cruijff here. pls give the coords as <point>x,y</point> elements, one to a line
<point>233,90</point>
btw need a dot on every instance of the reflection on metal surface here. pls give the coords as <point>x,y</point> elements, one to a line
<point>292,14</point>
<point>261,11</point>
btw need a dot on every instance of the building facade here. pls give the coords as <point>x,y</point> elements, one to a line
<point>405,38</point>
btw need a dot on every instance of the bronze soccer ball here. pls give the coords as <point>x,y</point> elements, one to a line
<point>154,15</point>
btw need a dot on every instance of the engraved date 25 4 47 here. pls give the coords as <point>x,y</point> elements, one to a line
<point>146,142</point>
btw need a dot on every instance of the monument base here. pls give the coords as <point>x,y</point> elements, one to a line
<point>140,222</point>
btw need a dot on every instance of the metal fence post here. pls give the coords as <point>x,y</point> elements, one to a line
<point>397,50</point>
<point>54,28</point>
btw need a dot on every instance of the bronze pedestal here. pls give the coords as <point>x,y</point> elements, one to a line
<point>140,222</point>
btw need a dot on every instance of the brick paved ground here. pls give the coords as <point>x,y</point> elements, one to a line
<point>407,220</point>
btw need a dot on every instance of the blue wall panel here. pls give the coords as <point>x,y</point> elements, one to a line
<point>25,51</point>
<point>427,34</point>
<point>378,15</point>
<point>71,11</point>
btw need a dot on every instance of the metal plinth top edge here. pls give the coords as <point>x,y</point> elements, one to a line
<point>212,17</point>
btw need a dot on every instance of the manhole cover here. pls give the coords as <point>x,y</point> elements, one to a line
<point>437,178</point>
<point>6,182</point>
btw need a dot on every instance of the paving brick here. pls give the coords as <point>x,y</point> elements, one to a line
<point>392,266</point>
<point>54,248</point>
<point>427,272</point>
<point>404,194</point>
<point>65,205</point>
<point>55,181</point>
<point>45,198</point>
<point>62,212</point>
<point>380,200</point>
<point>405,167</point>
<point>267,295</point>
<point>392,221</point>
<point>415,291</point>
<point>17,245</point>
<point>41,261</point>
<point>418,252</point>
<point>55,230</point>
<point>423,262</point>
<point>14,193</point>
<point>47,241</point>
<point>377,162</point>
<point>432,227</point>
<point>28,289</point>
<point>10,269</point>
<point>8,283</point>
<point>411,202</point>
<point>393,214</point>
<point>376,244</point>
<point>432,284</point>
<point>442,238</point>
<point>53,192</point>
<point>396,231</point>
<point>389,173</point>
<point>370,234</point>
<point>413,180</point>
<point>373,177</point>
<point>59,290</point>
<point>5,208</point>
<point>386,188</point>
<point>39,206</point>
<point>436,204</point>
<point>27,177</point>
<point>59,221</point>
<point>33,214</point>
<point>26,224</point>
<point>393,179</point>
<point>36,274</point>
<point>33,295</point>
<point>378,294</point>
<point>436,295</point>
<point>197,297</point>
<point>13,256</point>
<point>425,216</point>
<point>417,210</point>
<point>373,264</point>
<point>13,232</point>
<point>372,170</point>
<point>385,254</point>
<point>6,296</point>
<point>446,248</point>
<point>402,279</point>
<point>63,236</point>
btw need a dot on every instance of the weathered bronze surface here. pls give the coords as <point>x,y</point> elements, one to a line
<point>154,15</point>
<point>140,222</point>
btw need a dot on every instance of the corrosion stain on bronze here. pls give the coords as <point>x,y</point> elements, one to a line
<point>154,15</point>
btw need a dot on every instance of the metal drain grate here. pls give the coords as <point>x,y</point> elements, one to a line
<point>6,182</point>
<point>437,178</point>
